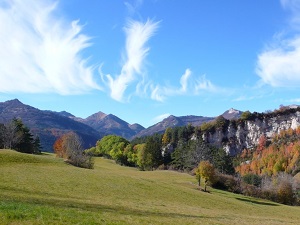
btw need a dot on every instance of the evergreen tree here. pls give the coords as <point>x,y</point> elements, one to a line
<point>153,148</point>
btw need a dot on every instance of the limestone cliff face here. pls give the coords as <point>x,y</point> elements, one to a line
<point>245,134</point>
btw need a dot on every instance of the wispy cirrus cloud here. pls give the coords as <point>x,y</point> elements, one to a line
<point>133,7</point>
<point>279,65</point>
<point>137,35</point>
<point>189,85</point>
<point>41,52</point>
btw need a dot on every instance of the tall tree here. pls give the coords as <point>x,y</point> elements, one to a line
<point>11,134</point>
<point>153,149</point>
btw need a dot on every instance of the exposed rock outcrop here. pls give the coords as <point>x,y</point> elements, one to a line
<point>240,134</point>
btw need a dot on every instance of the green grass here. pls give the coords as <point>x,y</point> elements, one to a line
<point>44,190</point>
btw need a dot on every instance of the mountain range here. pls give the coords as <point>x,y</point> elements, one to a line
<point>49,125</point>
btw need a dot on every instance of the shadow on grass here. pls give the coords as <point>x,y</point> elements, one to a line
<point>97,207</point>
<point>258,202</point>
<point>41,194</point>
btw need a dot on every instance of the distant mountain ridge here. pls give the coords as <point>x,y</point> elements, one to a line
<point>49,125</point>
<point>46,124</point>
<point>111,124</point>
<point>174,121</point>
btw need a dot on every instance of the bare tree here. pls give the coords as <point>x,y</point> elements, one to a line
<point>75,155</point>
<point>11,135</point>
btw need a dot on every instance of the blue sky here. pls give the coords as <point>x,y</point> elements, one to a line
<point>143,60</point>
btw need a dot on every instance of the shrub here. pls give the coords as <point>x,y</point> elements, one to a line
<point>252,179</point>
<point>228,183</point>
<point>285,193</point>
<point>251,190</point>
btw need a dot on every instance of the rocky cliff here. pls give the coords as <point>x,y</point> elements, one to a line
<point>245,133</point>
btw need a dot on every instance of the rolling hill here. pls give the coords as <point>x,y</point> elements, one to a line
<point>42,189</point>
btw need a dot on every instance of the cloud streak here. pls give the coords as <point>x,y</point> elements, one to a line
<point>189,85</point>
<point>137,35</point>
<point>279,65</point>
<point>40,53</point>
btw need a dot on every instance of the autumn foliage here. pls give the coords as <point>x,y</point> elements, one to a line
<point>69,146</point>
<point>281,155</point>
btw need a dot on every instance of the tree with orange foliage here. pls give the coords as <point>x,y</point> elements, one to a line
<point>58,147</point>
<point>262,143</point>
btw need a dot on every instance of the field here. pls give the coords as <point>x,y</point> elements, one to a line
<point>44,190</point>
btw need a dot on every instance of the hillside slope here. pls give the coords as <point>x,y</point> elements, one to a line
<point>44,190</point>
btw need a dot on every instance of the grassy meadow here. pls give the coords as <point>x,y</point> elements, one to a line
<point>42,189</point>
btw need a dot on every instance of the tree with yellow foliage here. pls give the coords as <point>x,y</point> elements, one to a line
<point>207,172</point>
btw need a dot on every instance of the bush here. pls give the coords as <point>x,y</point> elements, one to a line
<point>285,193</point>
<point>279,189</point>
<point>227,183</point>
<point>83,161</point>
<point>252,179</point>
<point>251,190</point>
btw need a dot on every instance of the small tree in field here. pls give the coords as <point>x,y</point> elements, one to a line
<point>207,172</point>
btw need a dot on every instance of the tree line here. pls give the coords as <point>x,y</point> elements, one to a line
<point>175,149</point>
<point>15,135</point>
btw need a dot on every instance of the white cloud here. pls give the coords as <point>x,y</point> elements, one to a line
<point>184,80</point>
<point>160,117</point>
<point>157,93</point>
<point>137,35</point>
<point>40,52</point>
<point>188,86</point>
<point>203,84</point>
<point>279,65</point>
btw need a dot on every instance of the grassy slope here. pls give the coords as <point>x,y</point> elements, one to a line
<point>44,190</point>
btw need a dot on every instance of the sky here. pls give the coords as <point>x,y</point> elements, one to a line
<point>143,60</point>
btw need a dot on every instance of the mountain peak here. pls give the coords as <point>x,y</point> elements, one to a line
<point>233,111</point>
<point>14,102</point>
<point>232,114</point>
<point>96,116</point>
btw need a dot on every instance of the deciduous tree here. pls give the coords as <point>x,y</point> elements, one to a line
<point>207,172</point>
